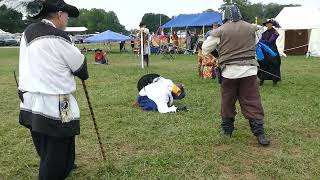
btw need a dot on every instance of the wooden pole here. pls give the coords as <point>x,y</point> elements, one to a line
<point>141,47</point>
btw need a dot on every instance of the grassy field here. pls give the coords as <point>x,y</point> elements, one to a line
<point>148,145</point>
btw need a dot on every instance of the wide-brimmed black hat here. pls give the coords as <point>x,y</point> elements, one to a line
<point>49,6</point>
<point>273,22</point>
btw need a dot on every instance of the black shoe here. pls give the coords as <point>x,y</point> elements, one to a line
<point>227,126</point>
<point>258,130</point>
<point>274,84</point>
<point>263,140</point>
<point>227,134</point>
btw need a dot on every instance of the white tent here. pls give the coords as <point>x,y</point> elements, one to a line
<point>3,32</point>
<point>300,18</point>
<point>76,29</point>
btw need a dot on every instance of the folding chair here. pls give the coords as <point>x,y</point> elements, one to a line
<point>167,51</point>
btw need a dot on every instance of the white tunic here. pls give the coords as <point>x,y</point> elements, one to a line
<point>46,67</point>
<point>160,93</point>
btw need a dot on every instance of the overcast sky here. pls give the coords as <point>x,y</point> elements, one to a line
<point>130,12</point>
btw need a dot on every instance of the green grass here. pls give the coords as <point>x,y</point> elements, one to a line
<point>148,145</point>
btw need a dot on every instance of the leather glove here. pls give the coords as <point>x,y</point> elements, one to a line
<point>20,94</point>
<point>182,109</point>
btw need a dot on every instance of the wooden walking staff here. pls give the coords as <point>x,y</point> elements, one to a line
<point>15,78</point>
<point>94,120</point>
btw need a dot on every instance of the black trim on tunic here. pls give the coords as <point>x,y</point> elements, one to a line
<point>41,29</point>
<point>41,124</point>
<point>82,71</point>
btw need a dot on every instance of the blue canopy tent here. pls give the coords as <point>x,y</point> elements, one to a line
<point>194,20</point>
<point>107,36</point>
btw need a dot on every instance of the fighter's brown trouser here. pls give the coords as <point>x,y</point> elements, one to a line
<point>246,90</point>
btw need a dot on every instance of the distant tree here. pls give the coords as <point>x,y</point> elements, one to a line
<point>11,20</point>
<point>209,10</point>
<point>272,10</point>
<point>226,2</point>
<point>98,20</point>
<point>245,9</point>
<point>94,19</point>
<point>114,24</point>
<point>153,21</point>
<point>81,20</point>
<point>250,11</point>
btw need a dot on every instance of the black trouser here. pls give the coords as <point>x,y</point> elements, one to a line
<point>57,155</point>
<point>146,59</point>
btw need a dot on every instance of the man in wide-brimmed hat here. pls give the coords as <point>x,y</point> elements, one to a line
<point>269,63</point>
<point>48,64</point>
<point>272,23</point>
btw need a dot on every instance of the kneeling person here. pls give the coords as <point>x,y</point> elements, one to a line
<point>157,94</point>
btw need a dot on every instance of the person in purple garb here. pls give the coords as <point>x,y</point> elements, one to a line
<point>270,64</point>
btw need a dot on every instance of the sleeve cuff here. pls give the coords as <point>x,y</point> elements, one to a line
<point>82,71</point>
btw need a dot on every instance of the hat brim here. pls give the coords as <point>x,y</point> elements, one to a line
<point>64,7</point>
<point>265,23</point>
<point>274,23</point>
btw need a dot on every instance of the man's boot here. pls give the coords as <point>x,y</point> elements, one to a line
<point>227,126</point>
<point>261,82</point>
<point>274,83</point>
<point>258,130</point>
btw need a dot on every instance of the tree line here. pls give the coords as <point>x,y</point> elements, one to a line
<point>99,20</point>
<point>250,11</point>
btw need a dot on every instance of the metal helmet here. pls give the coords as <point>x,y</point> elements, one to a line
<point>231,13</point>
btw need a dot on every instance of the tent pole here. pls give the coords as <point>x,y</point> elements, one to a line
<point>159,36</point>
<point>170,35</point>
<point>203,31</point>
<point>141,47</point>
<point>186,38</point>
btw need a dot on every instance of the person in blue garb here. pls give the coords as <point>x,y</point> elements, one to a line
<point>270,64</point>
<point>157,93</point>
